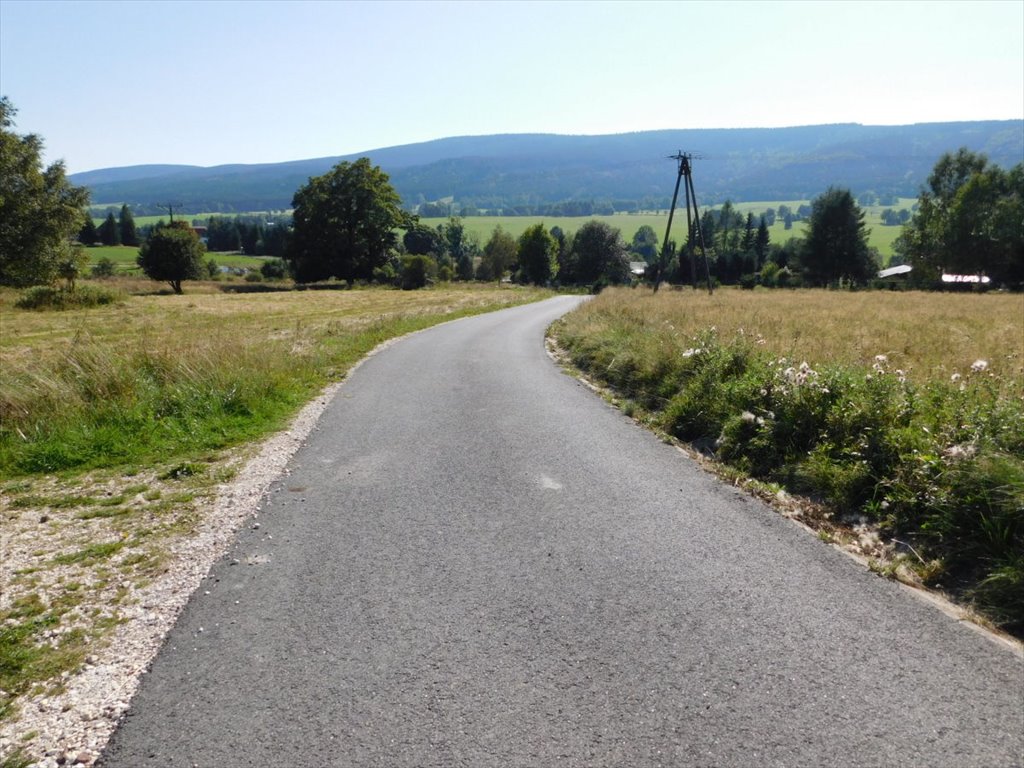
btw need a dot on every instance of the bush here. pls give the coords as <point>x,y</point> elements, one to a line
<point>385,275</point>
<point>43,297</point>
<point>103,268</point>
<point>416,271</point>
<point>274,269</point>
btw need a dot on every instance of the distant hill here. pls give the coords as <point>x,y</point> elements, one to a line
<point>128,173</point>
<point>509,170</point>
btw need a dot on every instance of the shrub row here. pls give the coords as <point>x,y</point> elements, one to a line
<point>44,297</point>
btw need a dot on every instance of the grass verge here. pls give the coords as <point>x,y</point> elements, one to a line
<point>924,440</point>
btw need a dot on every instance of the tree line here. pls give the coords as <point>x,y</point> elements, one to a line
<point>346,225</point>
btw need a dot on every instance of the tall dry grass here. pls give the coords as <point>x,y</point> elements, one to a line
<point>929,336</point>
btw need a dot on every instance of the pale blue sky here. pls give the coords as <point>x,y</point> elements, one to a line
<point>204,83</point>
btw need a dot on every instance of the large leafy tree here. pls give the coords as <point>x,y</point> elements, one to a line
<point>970,219</point>
<point>461,246</point>
<point>421,240</point>
<point>344,223</point>
<point>564,255</point>
<point>600,254</point>
<point>645,244</point>
<point>40,211</point>
<point>171,254</point>
<point>836,246</point>
<point>499,255</point>
<point>536,255</point>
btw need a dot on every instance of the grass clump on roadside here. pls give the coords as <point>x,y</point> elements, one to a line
<point>923,440</point>
<point>24,664</point>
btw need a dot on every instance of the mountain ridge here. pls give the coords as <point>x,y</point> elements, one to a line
<point>508,170</point>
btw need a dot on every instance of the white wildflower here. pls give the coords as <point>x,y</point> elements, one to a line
<point>960,452</point>
<point>979,365</point>
<point>881,359</point>
<point>955,378</point>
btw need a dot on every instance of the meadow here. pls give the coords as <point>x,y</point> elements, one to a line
<point>903,410</point>
<point>124,257</point>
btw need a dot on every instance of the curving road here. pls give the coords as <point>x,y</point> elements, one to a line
<point>477,562</point>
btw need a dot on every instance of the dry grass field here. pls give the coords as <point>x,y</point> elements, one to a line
<point>929,336</point>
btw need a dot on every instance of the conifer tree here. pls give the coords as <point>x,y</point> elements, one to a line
<point>126,227</point>
<point>109,232</point>
<point>88,235</point>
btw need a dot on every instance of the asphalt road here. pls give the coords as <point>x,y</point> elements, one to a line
<point>476,562</point>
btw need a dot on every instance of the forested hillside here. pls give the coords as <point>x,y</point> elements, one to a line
<point>517,173</point>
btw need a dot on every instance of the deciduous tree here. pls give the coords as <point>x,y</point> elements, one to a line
<point>970,220</point>
<point>600,254</point>
<point>645,244</point>
<point>40,211</point>
<point>498,257</point>
<point>172,254</point>
<point>344,223</point>
<point>536,255</point>
<point>421,240</point>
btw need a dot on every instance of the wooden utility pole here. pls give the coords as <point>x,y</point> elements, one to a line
<point>170,208</point>
<point>685,172</point>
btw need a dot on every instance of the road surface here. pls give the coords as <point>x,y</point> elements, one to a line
<point>476,562</point>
